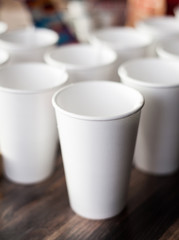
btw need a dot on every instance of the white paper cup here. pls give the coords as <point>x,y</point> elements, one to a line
<point>157,147</point>
<point>28,133</point>
<point>125,41</point>
<point>97,122</point>
<point>28,44</point>
<point>168,48</point>
<point>83,61</point>
<point>157,28</point>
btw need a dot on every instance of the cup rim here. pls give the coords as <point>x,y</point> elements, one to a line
<point>135,109</point>
<point>20,47</point>
<point>121,29</point>
<point>11,90</point>
<point>154,30</point>
<point>122,72</point>
<point>74,67</point>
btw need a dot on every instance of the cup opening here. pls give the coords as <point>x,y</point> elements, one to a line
<point>163,23</point>
<point>30,78</point>
<point>98,100</point>
<point>80,56</point>
<point>119,38</point>
<point>150,72</point>
<point>159,25</point>
<point>29,38</point>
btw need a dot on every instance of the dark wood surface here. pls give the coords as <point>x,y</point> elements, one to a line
<point>42,212</point>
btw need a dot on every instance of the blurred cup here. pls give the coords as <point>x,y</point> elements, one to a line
<point>83,61</point>
<point>97,122</point>
<point>4,59</point>
<point>127,42</point>
<point>28,133</point>
<point>157,147</point>
<point>158,28</point>
<point>28,44</point>
<point>3,27</point>
<point>168,48</point>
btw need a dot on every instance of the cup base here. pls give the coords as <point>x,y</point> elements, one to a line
<point>101,216</point>
<point>156,171</point>
<point>35,181</point>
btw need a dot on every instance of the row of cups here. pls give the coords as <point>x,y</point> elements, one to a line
<point>127,42</point>
<point>97,101</point>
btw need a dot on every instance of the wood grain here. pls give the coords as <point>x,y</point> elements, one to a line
<point>42,212</point>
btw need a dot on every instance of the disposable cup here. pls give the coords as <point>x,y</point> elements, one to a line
<point>28,133</point>
<point>127,42</point>
<point>28,44</point>
<point>157,147</point>
<point>157,28</point>
<point>97,123</point>
<point>83,61</point>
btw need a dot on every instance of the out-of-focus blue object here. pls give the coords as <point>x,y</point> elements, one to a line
<point>45,15</point>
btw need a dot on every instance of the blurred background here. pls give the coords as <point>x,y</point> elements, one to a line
<point>74,19</point>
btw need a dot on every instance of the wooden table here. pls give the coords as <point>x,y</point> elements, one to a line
<point>42,212</point>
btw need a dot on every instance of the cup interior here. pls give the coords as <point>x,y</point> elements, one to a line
<point>30,78</point>
<point>98,100</point>
<point>79,56</point>
<point>152,72</point>
<point>119,38</point>
<point>29,38</point>
<point>161,24</point>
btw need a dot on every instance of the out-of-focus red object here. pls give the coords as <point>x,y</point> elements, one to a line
<point>141,9</point>
<point>171,4</point>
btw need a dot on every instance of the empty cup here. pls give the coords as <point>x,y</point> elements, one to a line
<point>158,28</point>
<point>28,44</point>
<point>125,41</point>
<point>83,61</point>
<point>97,123</point>
<point>157,147</point>
<point>28,133</point>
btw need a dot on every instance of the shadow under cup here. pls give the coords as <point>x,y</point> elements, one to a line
<point>28,134</point>
<point>97,123</point>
